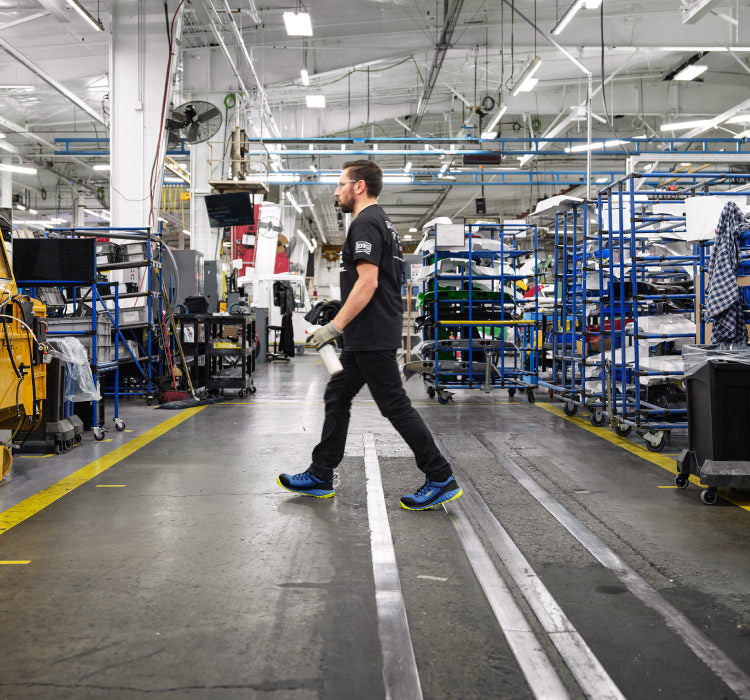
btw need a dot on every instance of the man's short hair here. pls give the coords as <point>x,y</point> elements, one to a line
<point>369,171</point>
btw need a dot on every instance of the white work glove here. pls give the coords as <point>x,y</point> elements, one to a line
<point>324,335</point>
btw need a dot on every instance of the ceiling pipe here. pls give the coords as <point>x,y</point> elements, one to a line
<point>248,58</point>
<point>47,78</point>
<point>451,19</point>
<point>582,68</point>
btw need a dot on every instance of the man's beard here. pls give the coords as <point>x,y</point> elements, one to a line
<point>346,207</point>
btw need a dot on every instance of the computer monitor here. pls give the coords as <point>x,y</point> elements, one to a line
<point>231,209</point>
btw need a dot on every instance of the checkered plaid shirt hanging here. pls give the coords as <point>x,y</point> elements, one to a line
<point>724,303</point>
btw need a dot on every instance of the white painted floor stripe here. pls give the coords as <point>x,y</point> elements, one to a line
<point>590,675</point>
<point>532,659</point>
<point>703,647</point>
<point>400,673</point>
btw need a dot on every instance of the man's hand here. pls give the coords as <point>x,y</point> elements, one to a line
<point>324,335</point>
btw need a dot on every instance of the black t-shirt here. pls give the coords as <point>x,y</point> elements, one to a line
<point>373,238</point>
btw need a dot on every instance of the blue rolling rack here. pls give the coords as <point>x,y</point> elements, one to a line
<point>658,287</point>
<point>476,336</point>
<point>577,375</point>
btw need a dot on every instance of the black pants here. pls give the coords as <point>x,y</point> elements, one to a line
<point>379,370</point>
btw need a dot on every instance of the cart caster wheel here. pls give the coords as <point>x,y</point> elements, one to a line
<point>623,432</point>
<point>597,419</point>
<point>431,392</point>
<point>709,496</point>
<point>445,397</point>
<point>511,393</point>
<point>77,440</point>
<point>570,408</point>
<point>68,445</point>
<point>241,394</point>
<point>98,434</point>
<point>681,481</point>
<point>530,395</point>
<point>659,446</point>
<point>58,448</point>
<point>253,389</point>
<point>119,424</point>
<point>150,401</point>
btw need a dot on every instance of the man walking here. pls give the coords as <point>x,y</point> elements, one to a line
<point>370,321</point>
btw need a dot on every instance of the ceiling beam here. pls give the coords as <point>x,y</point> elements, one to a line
<point>451,19</point>
<point>47,78</point>
<point>693,11</point>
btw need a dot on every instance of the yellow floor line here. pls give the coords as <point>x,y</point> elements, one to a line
<point>660,460</point>
<point>33,504</point>
<point>15,563</point>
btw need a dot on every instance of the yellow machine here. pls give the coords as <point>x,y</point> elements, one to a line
<point>23,373</point>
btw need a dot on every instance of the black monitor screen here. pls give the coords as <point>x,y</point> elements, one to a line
<point>54,260</point>
<point>234,209</point>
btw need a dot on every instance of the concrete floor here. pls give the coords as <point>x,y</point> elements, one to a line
<point>197,576</point>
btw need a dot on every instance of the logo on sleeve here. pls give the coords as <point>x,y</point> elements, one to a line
<point>363,247</point>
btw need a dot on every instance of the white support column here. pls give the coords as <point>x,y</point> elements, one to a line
<point>6,187</point>
<point>139,67</point>
<point>79,215</point>
<point>202,238</point>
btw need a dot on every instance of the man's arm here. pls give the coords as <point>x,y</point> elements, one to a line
<point>360,296</point>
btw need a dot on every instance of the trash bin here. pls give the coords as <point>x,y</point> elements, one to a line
<point>717,383</point>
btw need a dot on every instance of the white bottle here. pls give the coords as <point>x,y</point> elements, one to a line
<point>330,359</point>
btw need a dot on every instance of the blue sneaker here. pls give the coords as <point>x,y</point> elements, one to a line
<point>431,494</point>
<point>307,484</point>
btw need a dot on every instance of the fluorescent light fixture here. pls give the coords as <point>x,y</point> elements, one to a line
<point>20,206</point>
<point>186,232</point>
<point>407,167</point>
<point>532,68</point>
<point>602,180</point>
<point>592,4</point>
<point>583,147</point>
<point>34,212</point>
<point>693,124</point>
<point>315,101</point>
<point>21,169</point>
<point>690,72</point>
<point>81,10</point>
<point>298,23</point>
<point>685,165</point>
<point>397,179</point>
<point>413,230</point>
<point>98,214</point>
<point>489,135</point>
<point>282,178</point>
<point>313,168</point>
<point>293,202</point>
<point>495,121</point>
<point>306,241</point>
<point>527,85</point>
<point>329,179</point>
<point>102,166</point>
<point>407,237</point>
<point>571,12</point>
<point>305,77</point>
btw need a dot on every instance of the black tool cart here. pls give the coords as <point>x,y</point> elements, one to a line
<point>220,350</point>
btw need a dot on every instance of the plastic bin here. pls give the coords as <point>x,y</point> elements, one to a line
<point>718,396</point>
<point>718,411</point>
